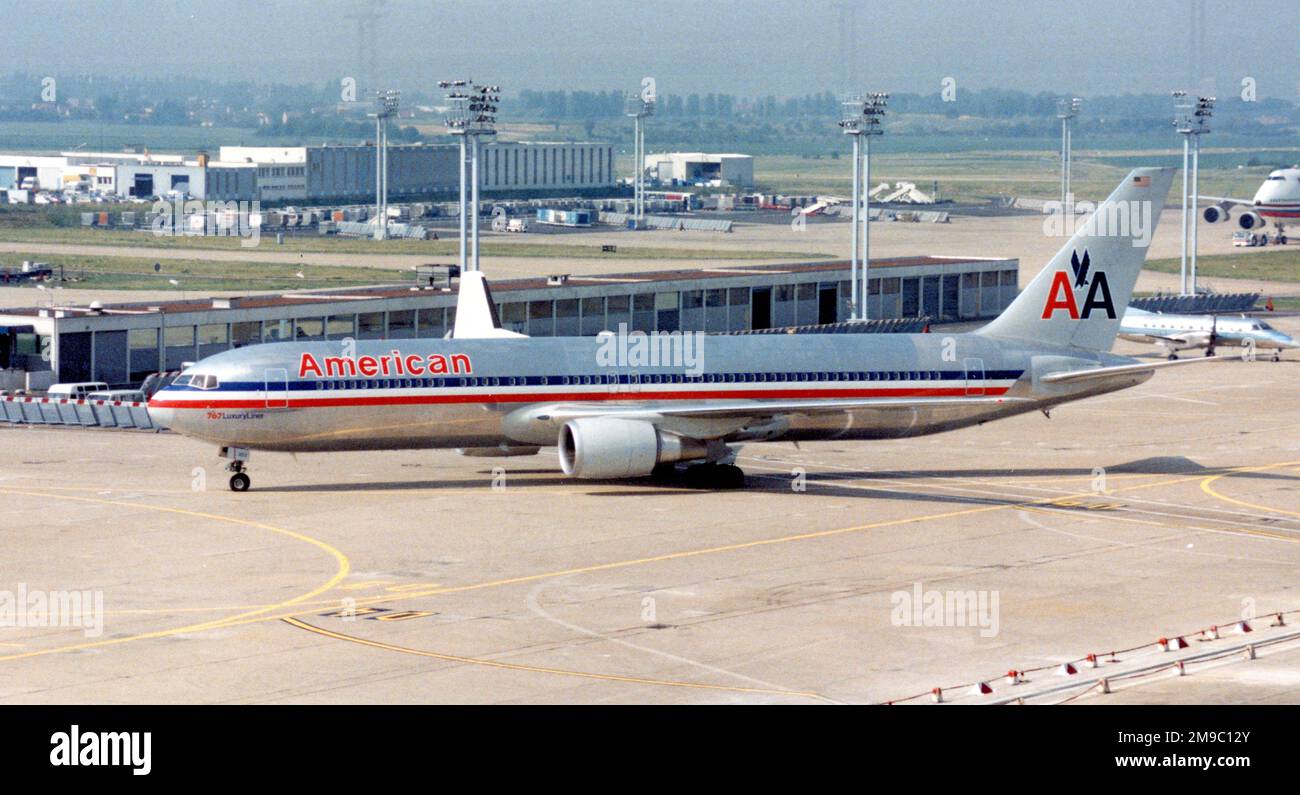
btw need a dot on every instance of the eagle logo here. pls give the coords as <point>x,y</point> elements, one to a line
<point>1080,268</point>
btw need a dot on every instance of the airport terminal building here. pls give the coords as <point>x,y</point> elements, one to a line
<point>122,343</point>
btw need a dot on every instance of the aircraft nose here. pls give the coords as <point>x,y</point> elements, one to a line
<point>158,415</point>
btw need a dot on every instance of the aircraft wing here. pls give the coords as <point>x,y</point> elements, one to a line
<point>766,408</point>
<point>1157,337</point>
<point>1227,201</point>
<point>1122,369</point>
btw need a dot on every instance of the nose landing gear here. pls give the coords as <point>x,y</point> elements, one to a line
<point>239,481</point>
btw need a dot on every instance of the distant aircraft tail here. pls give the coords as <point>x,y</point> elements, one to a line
<point>476,313</point>
<point>1079,298</point>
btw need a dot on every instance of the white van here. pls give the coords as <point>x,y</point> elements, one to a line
<point>76,390</point>
<point>123,395</point>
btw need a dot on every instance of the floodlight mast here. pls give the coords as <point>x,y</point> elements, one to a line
<point>639,106</point>
<point>851,117</point>
<point>1200,126</point>
<point>861,118</point>
<point>1192,120</point>
<point>1066,111</point>
<point>471,116</point>
<point>387,102</point>
<point>873,114</point>
<point>1183,123</point>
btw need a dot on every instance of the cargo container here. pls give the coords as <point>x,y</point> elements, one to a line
<point>554,217</point>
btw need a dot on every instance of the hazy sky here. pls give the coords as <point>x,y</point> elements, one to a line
<point>748,48</point>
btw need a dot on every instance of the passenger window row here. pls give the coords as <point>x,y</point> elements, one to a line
<point>611,379</point>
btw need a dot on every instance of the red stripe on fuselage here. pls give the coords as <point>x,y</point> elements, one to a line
<point>549,397</point>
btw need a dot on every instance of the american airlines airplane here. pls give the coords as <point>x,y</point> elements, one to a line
<point>1180,332</point>
<point>1278,199</point>
<point>487,391</point>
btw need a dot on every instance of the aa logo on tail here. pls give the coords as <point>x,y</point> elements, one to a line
<point>1061,294</point>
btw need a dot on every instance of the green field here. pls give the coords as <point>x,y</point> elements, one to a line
<point>200,276</point>
<point>975,176</point>
<point>1274,265</point>
<point>51,138</point>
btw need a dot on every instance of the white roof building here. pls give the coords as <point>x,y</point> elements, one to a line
<point>692,168</point>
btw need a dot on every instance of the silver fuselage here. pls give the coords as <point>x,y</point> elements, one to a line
<point>498,390</point>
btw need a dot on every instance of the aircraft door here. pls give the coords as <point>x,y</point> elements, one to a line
<point>974,376</point>
<point>277,388</point>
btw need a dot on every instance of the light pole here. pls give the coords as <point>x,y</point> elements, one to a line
<point>1200,125</point>
<point>386,103</point>
<point>1192,120</point>
<point>472,115</point>
<point>1066,110</point>
<point>851,118</point>
<point>861,118</point>
<point>873,113</point>
<point>639,106</point>
<point>1183,123</point>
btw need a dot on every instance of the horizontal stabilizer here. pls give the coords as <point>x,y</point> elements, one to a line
<point>1072,376</point>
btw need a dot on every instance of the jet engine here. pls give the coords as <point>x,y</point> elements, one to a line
<point>1214,214</point>
<point>1251,220</point>
<point>608,447</point>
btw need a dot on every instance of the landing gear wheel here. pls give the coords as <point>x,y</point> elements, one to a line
<point>664,472</point>
<point>1173,356</point>
<point>1277,355</point>
<point>730,476</point>
<point>699,476</point>
<point>715,476</point>
<point>1210,352</point>
<point>240,482</point>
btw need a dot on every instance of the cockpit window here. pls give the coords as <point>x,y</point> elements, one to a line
<point>204,382</point>
<point>182,380</point>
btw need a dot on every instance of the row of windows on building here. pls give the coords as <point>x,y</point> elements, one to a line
<point>521,165</point>
<point>127,356</point>
<point>281,171</point>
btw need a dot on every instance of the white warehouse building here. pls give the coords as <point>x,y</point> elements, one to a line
<point>691,168</point>
<point>315,174</point>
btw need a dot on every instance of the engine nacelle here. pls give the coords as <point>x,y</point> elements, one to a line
<point>1251,220</point>
<point>608,447</point>
<point>1213,214</point>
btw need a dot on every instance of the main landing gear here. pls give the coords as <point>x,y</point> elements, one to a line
<point>707,475</point>
<point>239,481</point>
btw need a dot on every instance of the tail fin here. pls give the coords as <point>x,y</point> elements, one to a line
<point>1080,297</point>
<point>476,313</point>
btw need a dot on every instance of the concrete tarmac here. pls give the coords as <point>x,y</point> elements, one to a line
<point>426,577</point>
